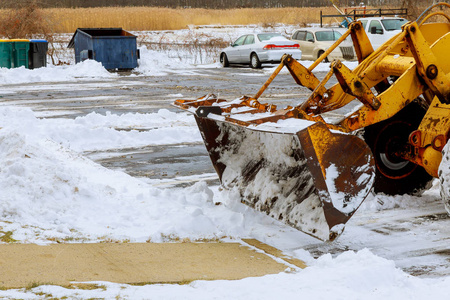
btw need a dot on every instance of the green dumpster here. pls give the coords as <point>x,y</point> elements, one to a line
<point>14,53</point>
<point>6,47</point>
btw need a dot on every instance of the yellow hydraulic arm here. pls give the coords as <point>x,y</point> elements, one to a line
<point>416,59</point>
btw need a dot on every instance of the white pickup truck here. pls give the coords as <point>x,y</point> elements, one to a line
<point>381,29</point>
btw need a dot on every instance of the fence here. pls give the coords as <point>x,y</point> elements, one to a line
<point>357,13</point>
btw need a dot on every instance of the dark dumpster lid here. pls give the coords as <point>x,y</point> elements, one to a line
<point>38,41</point>
<point>99,32</point>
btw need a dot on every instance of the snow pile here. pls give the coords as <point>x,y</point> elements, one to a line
<point>154,63</point>
<point>380,201</point>
<point>51,192</point>
<point>151,63</point>
<point>62,194</point>
<point>444,176</point>
<point>101,132</point>
<point>86,70</point>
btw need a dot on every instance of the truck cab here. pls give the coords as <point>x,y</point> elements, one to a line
<point>381,29</point>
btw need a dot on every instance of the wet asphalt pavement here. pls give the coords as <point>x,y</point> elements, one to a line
<point>148,94</point>
<point>131,94</point>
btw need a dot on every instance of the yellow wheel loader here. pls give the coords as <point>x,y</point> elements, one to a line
<point>313,174</point>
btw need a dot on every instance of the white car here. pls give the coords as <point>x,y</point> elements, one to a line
<point>381,29</point>
<point>258,48</point>
<point>314,41</point>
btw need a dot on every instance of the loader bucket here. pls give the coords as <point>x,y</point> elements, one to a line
<point>289,164</point>
<point>311,179</point>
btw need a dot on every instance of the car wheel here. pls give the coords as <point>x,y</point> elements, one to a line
<point>224,60</point>
<point>255,63</point>
<point>320,53</point>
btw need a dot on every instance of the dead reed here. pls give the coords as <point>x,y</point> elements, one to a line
<point>153,18</point>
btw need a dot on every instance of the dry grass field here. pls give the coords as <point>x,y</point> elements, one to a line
<point>152,18</point>
<point>66,20</point>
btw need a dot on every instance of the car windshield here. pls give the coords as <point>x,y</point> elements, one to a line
<point>364,23</point>
<point>267,36</point>
<point>328,35</point>
<point>393,24</point>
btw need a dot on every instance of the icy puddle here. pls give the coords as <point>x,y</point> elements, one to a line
<point>159,162</point>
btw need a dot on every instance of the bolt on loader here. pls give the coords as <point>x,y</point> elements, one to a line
<point>312,174</point>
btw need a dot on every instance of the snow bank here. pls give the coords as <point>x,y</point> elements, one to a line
<point>380,201</point>
<point>58,193</point>
<point>151,63</point>
<point>99,132</point>
<point>86,70</point>
<point>444,176</point>
<point>154,63</point>
<point>102,132</point>
<point>50,192</point>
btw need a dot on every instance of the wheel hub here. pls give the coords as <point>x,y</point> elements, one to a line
<point>390,164</point>
<point>390,142</point>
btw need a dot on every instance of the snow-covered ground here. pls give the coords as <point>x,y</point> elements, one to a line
<point>51,192</point>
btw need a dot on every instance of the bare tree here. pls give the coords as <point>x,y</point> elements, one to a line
<point>25,19</point>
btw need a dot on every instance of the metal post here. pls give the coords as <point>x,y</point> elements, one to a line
<point>320,18</point>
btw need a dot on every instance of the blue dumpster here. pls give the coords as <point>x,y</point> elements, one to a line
<point>37,55</point>
<point>114,48</point>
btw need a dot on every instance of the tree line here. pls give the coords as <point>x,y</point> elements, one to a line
<point>212,4</point>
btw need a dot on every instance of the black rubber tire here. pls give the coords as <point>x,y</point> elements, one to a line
<point>393,175</point>
<point>224,60</point>
<point>320,53</point>
<point>255,63</point>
